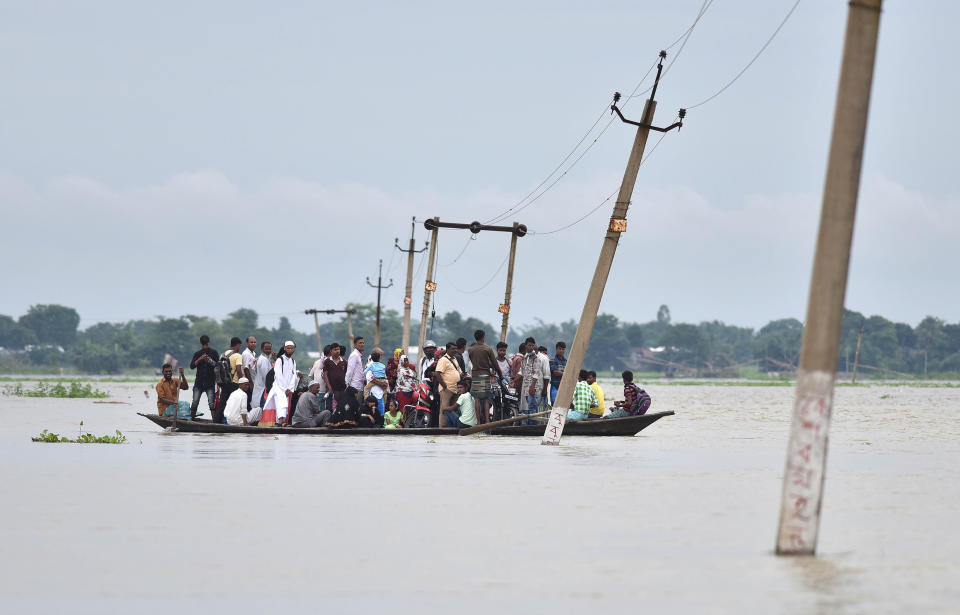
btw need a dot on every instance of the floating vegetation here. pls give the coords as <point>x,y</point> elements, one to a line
<point>45,389</point>
<point>82,438</point>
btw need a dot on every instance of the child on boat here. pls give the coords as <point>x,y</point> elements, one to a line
<point>393,419</point>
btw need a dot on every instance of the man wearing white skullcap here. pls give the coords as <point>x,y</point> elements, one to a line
<point>285,379</point>
<point>308,412</point>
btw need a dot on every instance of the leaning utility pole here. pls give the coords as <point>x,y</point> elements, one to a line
<point>316,323</point>
<point>505,306</point>
<point>802,495</point>
<point>379,286</point>
<point>408,293</point>
<point>618,224</point>
<point>428,287</point>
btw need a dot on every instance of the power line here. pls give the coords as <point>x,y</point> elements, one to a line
<point>465,246</point>
<point>487,283</point>
<point>602,203</point>
<point>750,63</point>
<point>520,206</point>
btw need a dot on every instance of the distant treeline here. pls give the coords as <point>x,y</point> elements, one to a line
<point>47,336</point>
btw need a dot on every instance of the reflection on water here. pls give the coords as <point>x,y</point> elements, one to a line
<point>679,519</point>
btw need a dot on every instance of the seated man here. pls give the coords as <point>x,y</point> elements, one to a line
<point>168,394</point>
<point>235,411</point>
<point>308,412</point>
<point>596,413</point>
<point>636,401</point>
<point>461,414</point>
<point>583,399</point>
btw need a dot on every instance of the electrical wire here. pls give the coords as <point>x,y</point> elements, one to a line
<point>465,246</point>
<point>750,63</point>
<point>683,37</point>
<point>487,283</point>
<point>603,202</point>
<point>521,205</point>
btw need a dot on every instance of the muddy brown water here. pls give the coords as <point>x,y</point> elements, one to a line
<point>681,518</point>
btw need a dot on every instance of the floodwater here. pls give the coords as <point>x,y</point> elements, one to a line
<point>681,518</point>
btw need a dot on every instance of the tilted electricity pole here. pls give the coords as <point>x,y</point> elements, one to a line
<point>802,494</point>
<point>408,293</point>
<point>379,286</point>
<point>618,224</point>
<point>316,323</point>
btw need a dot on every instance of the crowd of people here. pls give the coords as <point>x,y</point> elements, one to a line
<point>246,387</point>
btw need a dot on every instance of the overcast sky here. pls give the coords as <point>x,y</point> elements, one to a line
<point>139,140</point>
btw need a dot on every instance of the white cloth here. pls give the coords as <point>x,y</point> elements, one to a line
<point>316,373</point>
<point>248,360</point>
<point>284,379</point>
<point>355,370</point>
<point>506,368</point>
<point>236,407</point>
<point>424,364</point>
<point>260,379</point>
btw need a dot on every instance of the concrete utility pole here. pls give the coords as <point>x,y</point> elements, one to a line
<point>316,323</point>
<point>428,287</point>
<point>408,293</point>
<point>618,224</point>
<point>807,449</point>
<point>379,286</point>
<point>856,356</point>
<point>505,306</point>
<point>517,230</point>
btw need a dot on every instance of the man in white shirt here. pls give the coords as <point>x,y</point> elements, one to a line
<point>235,412</point>
<point>248,362</point>
<point>263,365</point>
<point>355,365</point>
<point>429,348</point>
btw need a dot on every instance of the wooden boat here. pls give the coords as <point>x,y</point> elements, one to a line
<point>626,426</point>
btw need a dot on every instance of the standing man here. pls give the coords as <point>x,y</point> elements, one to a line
<point>316,374</point>
<point>447,374</point>
<point>531,383</point>
<point>557,364</point>
<point>249,362</point>
<point>429,348</point>
<point>285,379</point>
<point>334,374</point>
<point>168,391</point>
<point>205,382</point>
<point>461,348</point>
<point>506,365</point>
<point>596,413</point>
<point>234,357</point>
<point>484,364</point>
<point>263,366</point>
<point>355,364</point>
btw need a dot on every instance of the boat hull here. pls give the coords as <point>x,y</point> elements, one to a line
<point>627,426</point>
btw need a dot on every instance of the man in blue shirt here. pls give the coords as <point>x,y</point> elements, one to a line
<point>557,364</point>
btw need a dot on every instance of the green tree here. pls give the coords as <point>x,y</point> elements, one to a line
<point>53,324</point>
<point>15,336</point>
<point>777,344</point>
<point>608,344</point>
<point>685,344</point>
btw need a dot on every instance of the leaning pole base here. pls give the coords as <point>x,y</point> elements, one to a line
<point>806,461</point>
<point>558,418</point>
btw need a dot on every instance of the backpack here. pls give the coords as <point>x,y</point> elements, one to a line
<point>221,371</point>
